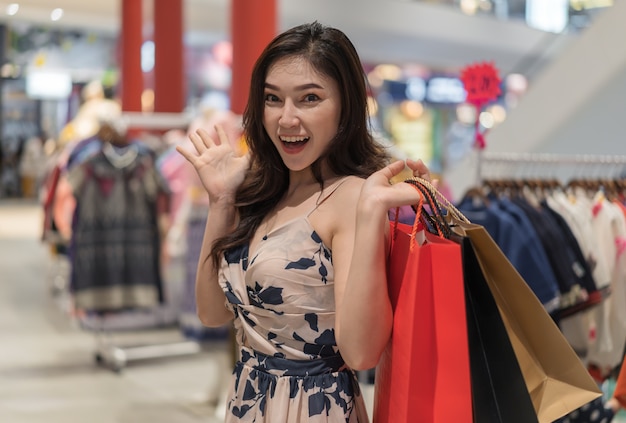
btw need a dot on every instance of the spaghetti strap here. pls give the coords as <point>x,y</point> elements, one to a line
<point>324,196</point>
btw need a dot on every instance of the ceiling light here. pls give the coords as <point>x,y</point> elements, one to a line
<point>469,7</point>
<point>498,112</point>
<point>466,113</point>
<point>486,120</point>
<point>12,9</point>
<point>56,14</point>
<point>412,110</point>
<point>388,72</point>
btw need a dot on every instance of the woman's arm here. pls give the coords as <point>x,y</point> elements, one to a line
<point>221,172</point>
<point>210,299</point>
<point>364,315</point>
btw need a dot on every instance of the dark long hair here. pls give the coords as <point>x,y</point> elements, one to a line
<point>353,151</point>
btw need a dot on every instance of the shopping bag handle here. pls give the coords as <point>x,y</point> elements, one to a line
<point>441,199</point>
<point>435,216</point>
<point>416,224</point>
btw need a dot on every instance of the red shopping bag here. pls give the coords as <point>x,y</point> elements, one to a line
<point>424,373</point>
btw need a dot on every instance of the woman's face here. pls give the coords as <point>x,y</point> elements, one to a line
<point>302,111</point>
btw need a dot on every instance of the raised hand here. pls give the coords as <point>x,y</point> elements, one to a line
<point>220,169</point>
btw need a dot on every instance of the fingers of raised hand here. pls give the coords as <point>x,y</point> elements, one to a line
<point>197,142</point>
<point>222,138</point>
<point>207,140</point>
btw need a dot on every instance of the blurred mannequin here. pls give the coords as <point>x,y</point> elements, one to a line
<point>95,109</point>
<point>113,131</point>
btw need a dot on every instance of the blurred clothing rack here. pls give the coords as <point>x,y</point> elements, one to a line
<point>550,162</point>
<point>553,158</point>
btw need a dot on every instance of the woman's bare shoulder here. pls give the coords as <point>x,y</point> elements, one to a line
<point>339,208</point>
<point>346,196</point>
<point>351,184</point>
<point>343,211</point>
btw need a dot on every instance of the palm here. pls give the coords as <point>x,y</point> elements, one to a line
<point>220,170</point>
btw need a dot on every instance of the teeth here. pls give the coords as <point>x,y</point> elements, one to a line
<point>293,139</point>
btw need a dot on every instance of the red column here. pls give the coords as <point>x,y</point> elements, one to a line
<point>131,40</point>
<point>169,80</point>
<point>253,25</point>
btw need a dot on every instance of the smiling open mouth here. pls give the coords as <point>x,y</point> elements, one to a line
<point>294,142</point>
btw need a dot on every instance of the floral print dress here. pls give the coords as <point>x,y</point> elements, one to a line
<point>284,305</point>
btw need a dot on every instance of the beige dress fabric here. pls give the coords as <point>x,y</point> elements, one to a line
<point>284,304</point>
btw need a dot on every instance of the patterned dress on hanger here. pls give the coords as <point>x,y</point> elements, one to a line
<point>284,304</point>
<point>115,244</point>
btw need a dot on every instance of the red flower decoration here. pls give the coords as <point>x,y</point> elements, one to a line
<point>481,82</point>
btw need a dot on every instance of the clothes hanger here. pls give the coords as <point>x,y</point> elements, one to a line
<point>476,194</point>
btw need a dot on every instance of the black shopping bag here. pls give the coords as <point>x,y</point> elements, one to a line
<point>499,393</point>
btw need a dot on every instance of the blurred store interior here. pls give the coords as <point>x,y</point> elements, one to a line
<point>561,64</point>
<point>413,51</point>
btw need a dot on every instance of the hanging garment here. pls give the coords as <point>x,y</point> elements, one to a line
<point>568,269</point>
<point>583,271</point>
<point>527,254</point>
<point>509,226</point>
<point>606,350</point>
<point>115,245</point>
<point>578,214</point>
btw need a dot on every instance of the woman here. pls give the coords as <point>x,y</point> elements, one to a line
<point>295,245</point>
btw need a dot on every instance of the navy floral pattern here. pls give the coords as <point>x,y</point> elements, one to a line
<point>283,300</point>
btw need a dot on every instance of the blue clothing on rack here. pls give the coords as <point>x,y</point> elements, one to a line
<point>518,245</point>
<point>532,260</point>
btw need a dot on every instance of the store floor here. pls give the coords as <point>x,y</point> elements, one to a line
<point>48,371</point>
